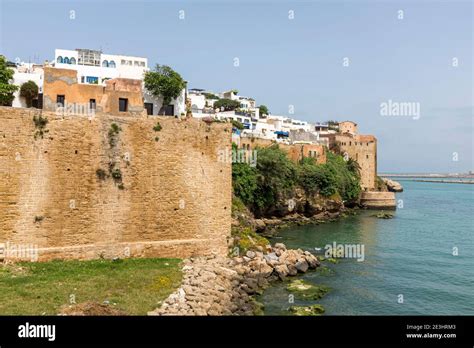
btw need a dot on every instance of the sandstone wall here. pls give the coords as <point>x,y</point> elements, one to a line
<point>295,151</point>
<point>173,197</point>
<point>363,149</point>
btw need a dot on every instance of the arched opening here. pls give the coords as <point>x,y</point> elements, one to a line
<point>59,59</point>
<point>111,64</point>
<point>66,60</point>
<point>72,60</point>
<point>105,64</point>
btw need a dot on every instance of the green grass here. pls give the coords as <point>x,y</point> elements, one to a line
<point>135,285</point>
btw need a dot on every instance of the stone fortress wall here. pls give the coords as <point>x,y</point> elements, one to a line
<point>71,194</point>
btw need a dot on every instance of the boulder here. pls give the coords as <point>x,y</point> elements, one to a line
<point>392,185</point>
<point>250,254</point>
<point>280,246</point>
<point>271,257</point>
<point>292,271</point>
<point>290,257</point>
<point>259,225</point>
<point>302,266</point>
<point>282,271</point>
<point>312,260</point>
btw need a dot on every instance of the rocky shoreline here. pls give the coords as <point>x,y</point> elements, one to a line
<point>216,285</point>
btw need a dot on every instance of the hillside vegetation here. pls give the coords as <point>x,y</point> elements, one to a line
<point>275,175</point>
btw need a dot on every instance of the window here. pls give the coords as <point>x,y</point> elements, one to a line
<point>136,63</point>
<point>169,110</point>
<point>111,64</point>
<point>66,60</point>
<point>149,108</point>
<point>82,79</point>
<point>367,156</point>
<point>72,60</point>
<point>123,104</point>
<point>105,64</point>
<point>92,79</point>
<point>60,99</point>
<point>59,59</point>
<point>124,62</point>
<point>92,104</point>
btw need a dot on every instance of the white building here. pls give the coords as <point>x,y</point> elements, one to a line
<point>25,72</point>
<point>201,103</point>
<point>247,104</point>
<point>154,106</point>
<point>95,67</point>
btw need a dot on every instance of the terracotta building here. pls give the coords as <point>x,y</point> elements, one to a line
<point>348,127</point>
<point>296,151</point>
<point>119,96</point>
<point>361,148</point>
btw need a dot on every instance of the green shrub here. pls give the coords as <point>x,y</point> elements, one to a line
<point>116,174</point>
<point>275,174</point>
<point>113,131</point>
<point>157,127</point>
<point>40,124</point>
<point>29,91</point>
<point>227,104</point>
<point>237,124</point>
<point>347,178</point>
<point>317,178</point>
<point>244,182</point>
<point>101,174</point>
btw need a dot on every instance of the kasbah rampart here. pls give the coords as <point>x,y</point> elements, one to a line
<point>113,184</point>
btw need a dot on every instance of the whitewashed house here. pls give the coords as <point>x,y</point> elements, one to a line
<point>95,67</point>
<point>24,72</point>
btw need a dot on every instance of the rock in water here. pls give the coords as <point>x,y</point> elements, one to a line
<point>306,291</point>
<point>384,215</point>
<point>302,266</point>
<point>392,185</point>
<point>313,310</point>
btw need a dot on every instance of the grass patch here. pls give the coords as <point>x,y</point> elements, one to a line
<point>135,285</point>
<point>247,239</point>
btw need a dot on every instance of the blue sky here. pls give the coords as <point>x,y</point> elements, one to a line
<point>295,62</point>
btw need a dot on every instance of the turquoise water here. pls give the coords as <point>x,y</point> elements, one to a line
<point>410,255</point>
